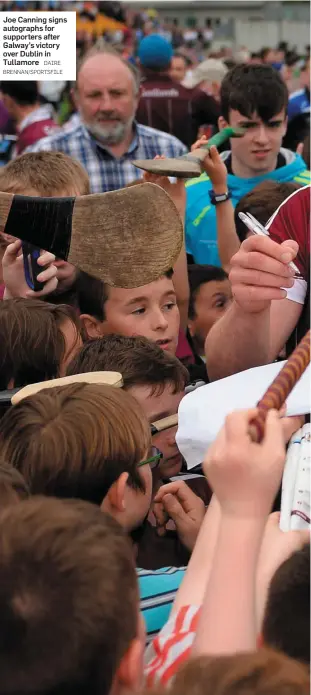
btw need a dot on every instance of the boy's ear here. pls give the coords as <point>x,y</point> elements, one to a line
<point>116,493</point>
<point>260,641</point>
<point>92,326</point>
<point>129,674</point>
<point>222,123</point>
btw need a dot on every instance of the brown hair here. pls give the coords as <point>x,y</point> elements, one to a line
<point>68,598</point>
<point>45,174</point>
<point>75,441</point>
<point>260,673</point>
<point>262,201</point>
<point>140,361</point>
<point>286,624</point>
<point>12,485</point>
<point>32,345</point>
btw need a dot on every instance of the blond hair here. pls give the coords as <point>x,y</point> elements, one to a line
<point>45,174</point>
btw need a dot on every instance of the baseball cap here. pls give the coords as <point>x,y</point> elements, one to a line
<point>155,52</point>
<point>211,69</point>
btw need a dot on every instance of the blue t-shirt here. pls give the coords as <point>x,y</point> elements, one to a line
<point>201,224</point>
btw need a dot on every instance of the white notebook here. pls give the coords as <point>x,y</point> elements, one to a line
<point>202,413</point>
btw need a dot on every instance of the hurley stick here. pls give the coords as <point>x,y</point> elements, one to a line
<point>189,165</point>
<point>281,386</point>
<point>127,238</point>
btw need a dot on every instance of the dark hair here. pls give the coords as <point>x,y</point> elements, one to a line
<point>92,294</point>
<point>262,201</point>
<point>32,345</point>
<point>200,275</point>
<point>253,89</point>
<point>24,93</point>
<point>264,672</point>
<point>75,441</point>
<point>139,360</point>
<point>68,598</point>
<point>286,624</point>
<point>13,487</point>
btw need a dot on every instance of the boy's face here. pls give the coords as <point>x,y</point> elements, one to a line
<point>212,300</point>
<point>158,406</point>
<point>150,311</point>
<point>256,152</point>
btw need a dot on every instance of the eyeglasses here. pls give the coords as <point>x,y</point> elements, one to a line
<point>154,459</point>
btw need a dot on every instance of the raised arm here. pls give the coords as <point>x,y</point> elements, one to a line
<point>227,238</point>
<point>260,318</point>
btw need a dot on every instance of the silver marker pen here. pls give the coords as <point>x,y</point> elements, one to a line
<point>256,228</point>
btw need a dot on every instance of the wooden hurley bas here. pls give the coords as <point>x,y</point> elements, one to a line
<point>189,165</point>
<point>281,386</point>
<point>126,238</point>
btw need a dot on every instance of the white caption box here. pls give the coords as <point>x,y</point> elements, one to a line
<point>37,46</point>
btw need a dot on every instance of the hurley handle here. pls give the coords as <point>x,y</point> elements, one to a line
<point>223,135</point>
<point>281,386</point>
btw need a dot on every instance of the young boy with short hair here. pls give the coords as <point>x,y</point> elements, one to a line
<point>43,174</point>
<point>150,311</point>
<point>153,376</point>
<point>210,296</point>
<point>93,442</point>
<point>253,97</point>
<point>37,341</point>
<point>69,601</point>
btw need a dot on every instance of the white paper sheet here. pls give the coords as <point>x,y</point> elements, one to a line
<point>202,413</point>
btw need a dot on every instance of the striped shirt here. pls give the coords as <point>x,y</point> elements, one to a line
<point>171,648</point>
<point>106,172</point>
<point>158,589</point>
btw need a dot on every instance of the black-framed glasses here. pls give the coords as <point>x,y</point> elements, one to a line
<point>154,459</point>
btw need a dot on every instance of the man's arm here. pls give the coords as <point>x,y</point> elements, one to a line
<point>255,339</point>
<point>260,319</point>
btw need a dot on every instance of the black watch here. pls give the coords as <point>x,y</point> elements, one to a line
<point>217,198</point>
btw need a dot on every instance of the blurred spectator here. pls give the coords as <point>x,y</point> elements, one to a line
<point>299,111</point>
<point>165,104</point>
<point>108,138</point>
<point>208,77</point>
<point>33,121</point>
<point>179,66</point>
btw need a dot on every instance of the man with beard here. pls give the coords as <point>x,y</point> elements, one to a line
<point>108,138</point>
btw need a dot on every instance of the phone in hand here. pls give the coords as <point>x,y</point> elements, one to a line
<point>31,267</point>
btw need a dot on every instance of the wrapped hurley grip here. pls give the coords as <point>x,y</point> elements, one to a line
<point>281,386</point>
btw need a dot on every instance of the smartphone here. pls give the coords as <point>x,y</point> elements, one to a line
<point>31,267</point>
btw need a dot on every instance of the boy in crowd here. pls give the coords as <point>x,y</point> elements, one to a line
<point>68,600</point>
<point>37,341</point>
<point>255,98</point>
<point>43,174</point>
<point>210,296</point>
<point>153,376</point>
<point>108,462</point>
<point>150,311</point>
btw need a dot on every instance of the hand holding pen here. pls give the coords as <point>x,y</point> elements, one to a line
<point>255,227</point>
<point>262,270</point>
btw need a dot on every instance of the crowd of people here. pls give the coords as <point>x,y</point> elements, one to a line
<point>121,571</point>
